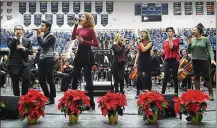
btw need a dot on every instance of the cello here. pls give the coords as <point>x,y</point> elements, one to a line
<point>185,67</point>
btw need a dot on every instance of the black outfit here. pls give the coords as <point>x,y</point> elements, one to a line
<point>155,65</point>
<point>144,71</point>
<point>84,59</point>
<point>18,64</point>
<point>3,68</point>
<point>118,66</point>
<point>46,64</point>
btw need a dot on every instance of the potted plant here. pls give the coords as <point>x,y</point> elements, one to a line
<point>73,103</point>
<point>113,105</point>
<point>192,104</point>
<point>32,106</point>
<point>150,103</point>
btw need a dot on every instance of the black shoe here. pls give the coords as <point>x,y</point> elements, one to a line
<point>50,102</point>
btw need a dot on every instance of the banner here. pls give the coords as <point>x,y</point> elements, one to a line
<point>210,8</point>
<point>9,10</point>
<point>54,7</point>
<point>164,8</point>
<point>177,8</point>
<point>70,19</point>
<point>87,6</point>
<point>65,7</point>
<point>109,6</point>
<point>76,7</point>
<point>43,7</point>
<point>95,18</point>
<point>37,19</point>
<point>138,7</point>
<point>60,19</point>
<point>32,7</point>
<point>188,8</point>
<point>104,19</point>
<point>22,7</point>
<point>9,4</point>
<point>199,8</point>
<point>49,17</point>
<point>27,19</point>
<point>98,6</point>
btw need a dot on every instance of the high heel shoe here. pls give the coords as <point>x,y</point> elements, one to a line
<point>211,97</point>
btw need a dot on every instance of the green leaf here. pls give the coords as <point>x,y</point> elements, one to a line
<point>163,104</point>
<point>2,105</point>
<point>26,110</point>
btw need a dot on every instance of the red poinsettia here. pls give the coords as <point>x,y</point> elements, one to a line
<point>150,102</point>
<point>73,102</point>
<point>112,102</point>
<point>32,104</point>
<point>192,101</point>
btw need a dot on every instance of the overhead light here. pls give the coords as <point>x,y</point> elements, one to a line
<point>145,18</point>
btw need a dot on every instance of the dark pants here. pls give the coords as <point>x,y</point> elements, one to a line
<point>126,77</point>
<point>88,79</point>
<point>170,64</point>
<point>187,82</point>
<point>144,81</point>
<point>2,78</point>
<point>18,73</point>
<point>118,73</point>
<point>45,72</point>
<point>64,81</point>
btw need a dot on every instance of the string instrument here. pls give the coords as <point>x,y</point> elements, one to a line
<point>133,74</point>
<point>186,66</point>
<point>60,65</point>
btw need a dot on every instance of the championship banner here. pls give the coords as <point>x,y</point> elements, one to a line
<point>32,7</point>
<point>164,8</point>
<point>22,7</point>
<point>37,19</point>
<point>54,7</point>
<point>188,8</point>
<point>95,18</point>
<point>199,8</point>
<point>109,6</point>
<point>87,6</point>
<point>70,19</point>
<point>98,6</point>
<point>177,8</point>
<point>65,7</point>
<point>9,10</point>
<point>210,8</point>
<point>43,7</point>
<point>60,19</point>
<point>27,19</point>
<point>76,7</point>
<point>104,19</point>
<point>49,17</point>
<point>9,4</point>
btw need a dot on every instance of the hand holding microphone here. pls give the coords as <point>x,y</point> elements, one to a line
<point>189,38</point>
<point>76,21</point>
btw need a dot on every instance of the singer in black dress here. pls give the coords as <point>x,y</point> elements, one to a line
<point>143,60</point>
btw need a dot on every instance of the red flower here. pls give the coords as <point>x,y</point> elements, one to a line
<point>31,104</point>
<point>72,102</point>
<point>191,101</point>
<point>111,101</point>
<point>149,99</point>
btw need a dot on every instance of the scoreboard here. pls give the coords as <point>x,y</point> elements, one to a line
<point>148,9</point>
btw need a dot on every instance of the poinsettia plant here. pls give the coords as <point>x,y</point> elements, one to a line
<point>191,103</point>
<point>151,102</point>
<point>112,103</point>
<point>32,105</point>
<point>2,105</point>
<point>73,102</point>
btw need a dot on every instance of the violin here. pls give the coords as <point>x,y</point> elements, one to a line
<point>133,74</point>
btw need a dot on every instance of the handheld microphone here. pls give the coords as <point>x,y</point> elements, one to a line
<point>190,35</point>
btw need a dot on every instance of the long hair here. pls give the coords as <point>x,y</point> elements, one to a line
<point>147,37</point>
<point>116,38</point>
<point>89,20</point>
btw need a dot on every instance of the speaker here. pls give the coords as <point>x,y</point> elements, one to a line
<point>10,111</point>
<point>169,112</point>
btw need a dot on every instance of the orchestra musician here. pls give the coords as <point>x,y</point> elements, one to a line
<point>202,54</point>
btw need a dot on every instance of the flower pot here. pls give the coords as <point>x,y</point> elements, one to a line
<point>154,120</point>
<point>113,119</point>
<point>31,121</point>
<point>73,119</point>
<point>196,119</point>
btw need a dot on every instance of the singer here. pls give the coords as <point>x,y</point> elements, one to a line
<point>84,57</point>
<point>171,58</point>
<point>46,63</point>
<point>18,62</point>
<point>202,55</point>
<point>143,60</point>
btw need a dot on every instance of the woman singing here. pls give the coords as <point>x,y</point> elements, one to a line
<point>84,57</point>
<point>120,54</point>
<point>202,52</point>
<point>171,58</point>
<point>143,60</point>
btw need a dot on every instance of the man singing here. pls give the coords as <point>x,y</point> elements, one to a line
<point>46,64</point>
<point>18,62</point>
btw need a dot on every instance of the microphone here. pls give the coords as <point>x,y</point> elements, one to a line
<point>190,35</point>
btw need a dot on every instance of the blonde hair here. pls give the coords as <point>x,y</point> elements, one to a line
<point>89,20</point>
<point>148,37</point>
<point>116,38</point>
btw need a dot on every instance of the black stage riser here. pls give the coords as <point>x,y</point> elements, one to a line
<point>102,87</point>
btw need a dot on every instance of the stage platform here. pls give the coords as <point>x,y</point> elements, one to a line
<point>94,119</point>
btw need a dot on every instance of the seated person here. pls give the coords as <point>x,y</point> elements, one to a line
<point>58,73</point>
<point>3,70</point>
<point>155,63</point>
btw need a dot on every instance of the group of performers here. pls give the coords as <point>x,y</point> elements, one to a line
<point>146,61</point>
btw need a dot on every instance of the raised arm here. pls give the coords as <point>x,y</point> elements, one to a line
<point>46,43</point>
<point>28,50</point>
<point>74,32</point>
<point>145,48</point>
